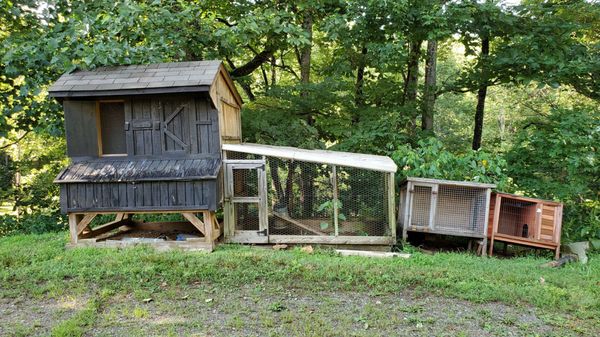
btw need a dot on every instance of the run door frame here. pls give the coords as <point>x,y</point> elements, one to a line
<point>230,200</point>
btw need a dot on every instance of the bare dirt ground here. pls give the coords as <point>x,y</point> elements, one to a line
<point>254,310</point>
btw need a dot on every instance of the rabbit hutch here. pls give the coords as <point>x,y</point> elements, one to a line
<point>146,139</point>
<point>525,221</point>
<point>277,194</point>
<point>454,208</point>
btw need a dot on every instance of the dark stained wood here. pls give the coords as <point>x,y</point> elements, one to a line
<point>81,128</point>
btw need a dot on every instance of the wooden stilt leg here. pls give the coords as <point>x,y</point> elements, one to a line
<point>208,226</point>
<point>491,246</point>
<point>73,226</point>
<point>557,252</point>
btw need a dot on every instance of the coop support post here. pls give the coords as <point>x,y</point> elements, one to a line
<point>488,195</point>
<point>407,210</point>
<point>73,220</point>
<point>335,200</point>
<point>391,205</point>
<point>433,207</point>
<point>498,202</point>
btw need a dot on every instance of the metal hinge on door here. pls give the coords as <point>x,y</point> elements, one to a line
<point>264,232</point>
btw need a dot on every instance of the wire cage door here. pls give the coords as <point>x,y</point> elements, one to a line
<point>245,202</point>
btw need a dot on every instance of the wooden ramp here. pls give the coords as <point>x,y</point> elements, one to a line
<point>298,224</point>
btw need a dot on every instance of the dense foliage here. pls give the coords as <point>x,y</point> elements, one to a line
<point>476,90</point>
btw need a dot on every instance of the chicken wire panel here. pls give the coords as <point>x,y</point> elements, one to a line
<point>363,204</point>
<point>460,210</point>
<point>517,218</point>
<point>421,206</point>
<point>245,182</point>
<point>246,216</point>
<point>300,197</point>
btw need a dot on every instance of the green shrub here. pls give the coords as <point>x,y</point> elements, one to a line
<point>431,160</point>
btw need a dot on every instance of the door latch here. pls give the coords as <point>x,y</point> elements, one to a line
<point>264,232</point>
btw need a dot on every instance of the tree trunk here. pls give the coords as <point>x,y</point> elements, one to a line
<point>306,51</point>
<point>359,98</point>
<point>429,88</point>
<point>412,79</point>
<point>304,60</point>
<point>481,94</point>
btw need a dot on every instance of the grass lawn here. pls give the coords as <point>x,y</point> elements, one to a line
<point>243,291</point>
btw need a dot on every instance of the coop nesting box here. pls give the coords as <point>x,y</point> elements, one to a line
<point>445,207</point>
<point>525,221</point>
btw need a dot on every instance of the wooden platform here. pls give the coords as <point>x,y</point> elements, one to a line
<point>124,231</point>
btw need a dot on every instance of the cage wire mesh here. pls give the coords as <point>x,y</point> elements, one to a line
<point>301,199</point>
<point>517,218</point>
<point>458,210</point>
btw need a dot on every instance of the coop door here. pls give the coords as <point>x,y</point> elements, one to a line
<point>246,201</point>
<point>423,202</point>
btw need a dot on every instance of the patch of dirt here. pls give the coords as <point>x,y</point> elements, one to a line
<point>257,309</point>
<point>35,317</point>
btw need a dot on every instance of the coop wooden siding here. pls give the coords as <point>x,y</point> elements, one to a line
<point>171,126</point>
<point>81,127</point>
<point>126,196</point>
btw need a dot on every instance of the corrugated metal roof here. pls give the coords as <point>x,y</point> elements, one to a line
<point>140,170</point>
<point>359,160</point>
<point>136,77</point>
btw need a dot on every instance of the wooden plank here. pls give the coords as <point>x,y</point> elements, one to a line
<point>488,195</point>
<point>73,220</point>
<point>191,217</point>
<point>298,224</point>
<point>107,227</point>
<point>335,240</point>
<point>208,225</point>
<point>391,193</point>
<point>336,225</point>
<point>245,237</point>
<point>525,241</point>
<point>188,245</point>
<point>85,222</point>
<point>366,253</point>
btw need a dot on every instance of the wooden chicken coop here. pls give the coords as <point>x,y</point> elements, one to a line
<point>445,207</point>
<point>166,138</point>
<point>525,221</point>
<point>146,139</point>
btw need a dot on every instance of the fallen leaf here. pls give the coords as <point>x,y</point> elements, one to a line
<point>280,247</point>
<point>542,280</point>
<point>366,326</point>
<point>208,300</point>
<point>184,297</point>
<point>147,300</point>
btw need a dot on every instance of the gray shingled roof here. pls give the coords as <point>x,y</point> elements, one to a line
<point>137,77</point>
<point>140,170</point>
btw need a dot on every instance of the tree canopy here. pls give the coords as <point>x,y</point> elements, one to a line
<point>499,91</point>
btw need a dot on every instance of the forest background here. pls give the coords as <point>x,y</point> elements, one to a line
<point>489,91</point>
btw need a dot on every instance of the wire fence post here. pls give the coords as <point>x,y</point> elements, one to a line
<point>335,200</point>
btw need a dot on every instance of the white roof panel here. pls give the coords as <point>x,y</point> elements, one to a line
<point>358,160</point>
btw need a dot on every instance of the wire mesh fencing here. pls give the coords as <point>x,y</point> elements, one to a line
<point>307,198</point>
<point>444,208</point>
